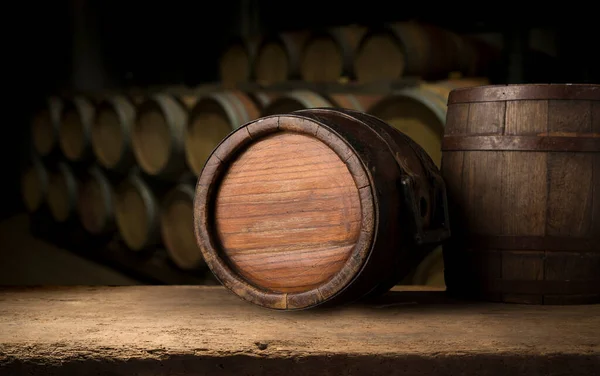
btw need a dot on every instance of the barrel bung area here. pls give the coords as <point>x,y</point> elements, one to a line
<point>320,189</point>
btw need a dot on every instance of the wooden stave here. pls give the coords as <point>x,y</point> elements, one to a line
<point>186,191</point>
<point>86,112</point>
<point>469,255</point>
<point>95,175</point>
<point>125,109</point>
<point>304,301</point>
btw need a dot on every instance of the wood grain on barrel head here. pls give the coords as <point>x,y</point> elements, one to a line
<point>107,137</point>
<point>152,140</point>
<point>288,213</point>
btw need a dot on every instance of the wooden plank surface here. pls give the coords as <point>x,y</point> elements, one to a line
<point>178,330</point>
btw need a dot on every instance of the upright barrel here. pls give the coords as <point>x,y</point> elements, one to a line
<point>177,227</point>
<point>304,99</point>
<point>213,117</point>
<point>420,111</point>
<point>96,203</point>
<point>320,206</point>
<point>44,126</point>
<point>137,213</point>
<point>111,133</point>
<point>63,189</point>
<point>34,184</point>
<point>522,165</point>
<point>158,136</point>
<point>278,57</point>
<point>75,129</point>
<point>329,54</point>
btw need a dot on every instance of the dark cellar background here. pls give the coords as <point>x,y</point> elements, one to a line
<point>93,45</point>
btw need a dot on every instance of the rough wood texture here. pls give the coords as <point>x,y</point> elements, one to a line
<point>173,330</point>
<point>96,203</point>
<point>45,125</point>
<point>329,55</point>
<point>304,209</point>
<point>111,133</point>
<point>304,99</point>
<point>177,228</point>
<point>212,118</point>
<point>420,112</point>
<point>526,213</point>
<point>278,57</point>
<point>75,128</point>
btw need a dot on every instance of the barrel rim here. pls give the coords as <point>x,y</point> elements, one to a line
<point>216,167</point>
<point>515,92</point>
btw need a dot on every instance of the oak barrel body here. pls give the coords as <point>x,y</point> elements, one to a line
<point>34,184</point>
<point>137,213</point>
<point>177,227</point>
<point>420,111</point>
<point>111,133</point>
<point>304,99</point>
<point>278,57</point>
<point>212,118</point>
<point>63,189</point>
<point>45,125</point>
<point>329,54</point>
<point>522,166</point>
<point>159,135</point>
<point>75,131</point>
<point>96,203</point>
<point>316,207</point>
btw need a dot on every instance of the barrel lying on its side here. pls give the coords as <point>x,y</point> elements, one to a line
<point>75,131</point>
<point>96,203</point>
<point>45,125</point>
<point>304,99</point>
<point>522,164</point>
<point>63,189</point>
<point>319,206</point>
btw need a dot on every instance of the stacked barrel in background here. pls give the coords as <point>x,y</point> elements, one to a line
<point>123,165</point>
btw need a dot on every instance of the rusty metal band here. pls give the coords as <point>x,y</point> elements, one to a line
<point>534,243</point>
<point>521,143</point>
<point>495,93</point>
<point>542,287</point>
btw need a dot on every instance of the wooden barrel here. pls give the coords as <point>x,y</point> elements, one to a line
<point>329,54</point>
<point>44,126</point>
<point>111,133</point>
<point>96,203</point>
<point>235,64</point>
<point>321,206</point>
<point>177,227</point>
<point>62,193</point>
<point>263,99</point>
<point>304,99</point>
<point>158,136</point>
<point>75,129</point>
<point>278,57</point>
<point>406,49</point>
<point>213,117</point>
<point>522,165</point>
<point>420,112</point>
<point>34,184</point>
<point>137,213</point>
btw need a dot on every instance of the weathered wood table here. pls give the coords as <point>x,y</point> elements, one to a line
<point>172,330</point>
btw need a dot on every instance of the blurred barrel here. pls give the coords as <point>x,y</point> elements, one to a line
<point>137,213</point>
<point>262,99</point>
<point>62,193</point>
<point>278,57</point>
<point>212,118</point>
<point>329,54</point>
<point>158,136</point>
<point>111,133</point>
<point>34,184</point>
<point>304,99</point>
<point>522,167</point>
<point>407,49</point>
<point>420,112</point>
<point>96,203</point>
<point>322,206</point>
<point>235,64</point>
<point>45,125</point>
<point>177,227</point>
<point>75,129</point>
